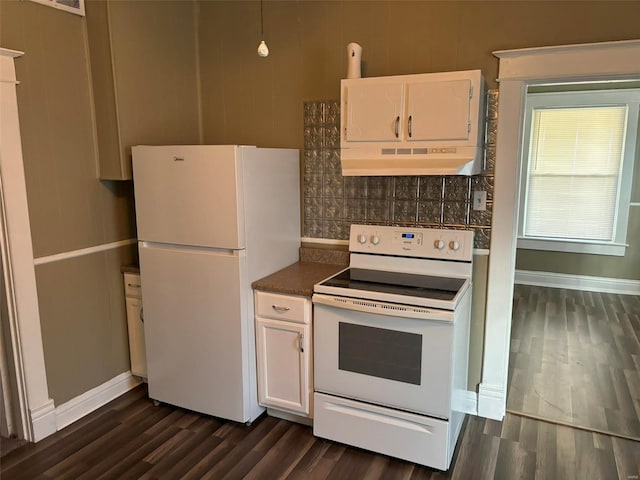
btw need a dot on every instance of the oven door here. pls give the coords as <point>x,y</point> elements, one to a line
<point>384,354</point>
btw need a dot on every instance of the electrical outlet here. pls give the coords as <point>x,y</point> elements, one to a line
<point>480,200</point>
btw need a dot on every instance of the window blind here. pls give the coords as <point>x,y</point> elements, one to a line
<point>575,160</point>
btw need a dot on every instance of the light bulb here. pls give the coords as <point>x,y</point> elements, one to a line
<point>263,50</point>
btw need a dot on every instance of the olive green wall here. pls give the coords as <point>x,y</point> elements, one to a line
<point>253,100</point>
<point>82,316</point>
<point>82,311</point>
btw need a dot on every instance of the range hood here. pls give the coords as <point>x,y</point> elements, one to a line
<point>411,161</point>
<point>426,124</point>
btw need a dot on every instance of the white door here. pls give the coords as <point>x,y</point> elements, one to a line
<point>189,195</point>
<point>283,365</point>
<point>195,328</point>
<point>438,110</point>
<point>373,112</point>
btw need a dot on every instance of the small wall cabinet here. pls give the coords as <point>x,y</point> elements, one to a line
<point>424,124</point>
<point>400,109</point>
<point>135,324</point>
<point>283,349</point>
<point>144,75</point>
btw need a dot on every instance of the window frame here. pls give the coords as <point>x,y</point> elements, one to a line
<point>582,98</point>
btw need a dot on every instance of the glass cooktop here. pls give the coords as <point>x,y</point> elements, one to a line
<point>423,286</point>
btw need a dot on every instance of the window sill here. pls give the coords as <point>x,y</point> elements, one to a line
<point>594,248</point>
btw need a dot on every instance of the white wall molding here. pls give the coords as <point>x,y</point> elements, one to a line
<point>82,405</point>
<point>578,282</point>
<point>491,401</point>
<point>569,61</point>
<point>43,421</point>
<point>26,336</point>
<point>83,251</point>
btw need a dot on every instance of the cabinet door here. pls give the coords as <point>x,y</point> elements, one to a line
<point>136,337</point>
<point>451,102</point>
<point>283,365</point>
<point>373,112</point>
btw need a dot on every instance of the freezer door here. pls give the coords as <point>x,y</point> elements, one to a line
<point>195,330</point>
<point>189,195</point>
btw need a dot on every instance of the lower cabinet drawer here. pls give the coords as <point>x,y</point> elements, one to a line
<point>418,439</point>
<point>282,307</point>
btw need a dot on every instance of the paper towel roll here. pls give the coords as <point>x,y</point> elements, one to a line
<point>354,52</point>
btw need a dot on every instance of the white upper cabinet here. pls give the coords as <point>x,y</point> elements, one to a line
<point>417,110</point>
<point>374,112</point>
<point>425,124</point>
<point>438,110</point>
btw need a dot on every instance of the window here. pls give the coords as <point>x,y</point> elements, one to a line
<point>579,152</point>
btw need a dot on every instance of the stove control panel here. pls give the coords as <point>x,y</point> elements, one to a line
<point>412,242</point>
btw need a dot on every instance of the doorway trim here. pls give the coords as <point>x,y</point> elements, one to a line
<point>36,409</point>
<point>518,69</point>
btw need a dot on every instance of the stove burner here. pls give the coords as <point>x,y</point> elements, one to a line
<point>411,285</point>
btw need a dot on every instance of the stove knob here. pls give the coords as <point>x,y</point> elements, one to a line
<point>439,244</point>
<point>454,245</point>
<point>362,239</point>
<point>375,239</point>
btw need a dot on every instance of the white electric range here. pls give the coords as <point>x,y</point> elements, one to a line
<point>391,341</point>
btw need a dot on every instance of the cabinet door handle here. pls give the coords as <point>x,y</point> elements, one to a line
<point>397,129</point>
<point>300,342</point>
<point>409,124</point>
<point>280,309</point>
<point>141,315</point>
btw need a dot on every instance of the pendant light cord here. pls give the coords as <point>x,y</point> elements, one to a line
<point>261,23</point>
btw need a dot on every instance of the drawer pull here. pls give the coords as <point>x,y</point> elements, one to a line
<point>280,309</point>
<point>133,285</point>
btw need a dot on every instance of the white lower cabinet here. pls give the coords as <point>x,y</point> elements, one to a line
<point>283,349</point>
<point>135,324</point>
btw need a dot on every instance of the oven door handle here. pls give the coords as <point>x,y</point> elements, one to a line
<point>383,308</point>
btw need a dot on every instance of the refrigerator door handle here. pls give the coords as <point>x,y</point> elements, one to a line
<point>190,248</point>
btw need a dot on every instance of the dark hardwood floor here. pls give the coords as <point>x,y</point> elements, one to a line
<point>131,438</point>
<point>575,359</point>
<point>9,444</point>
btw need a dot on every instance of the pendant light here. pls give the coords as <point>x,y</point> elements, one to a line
<point>263,50</point>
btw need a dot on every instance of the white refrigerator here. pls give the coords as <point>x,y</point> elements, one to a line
<point>211,220</point>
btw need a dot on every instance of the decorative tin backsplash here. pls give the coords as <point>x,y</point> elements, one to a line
<point>333,202</point>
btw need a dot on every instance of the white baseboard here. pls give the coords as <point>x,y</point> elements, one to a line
<point>82,405</point>
<point>465,401</point>
<point>43,421</point>
<point>578,282</point>
<point>470,404</point>
<point>492,401</point>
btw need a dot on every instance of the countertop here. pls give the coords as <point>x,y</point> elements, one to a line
<point>297,279</point>
<point>315,265</point>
